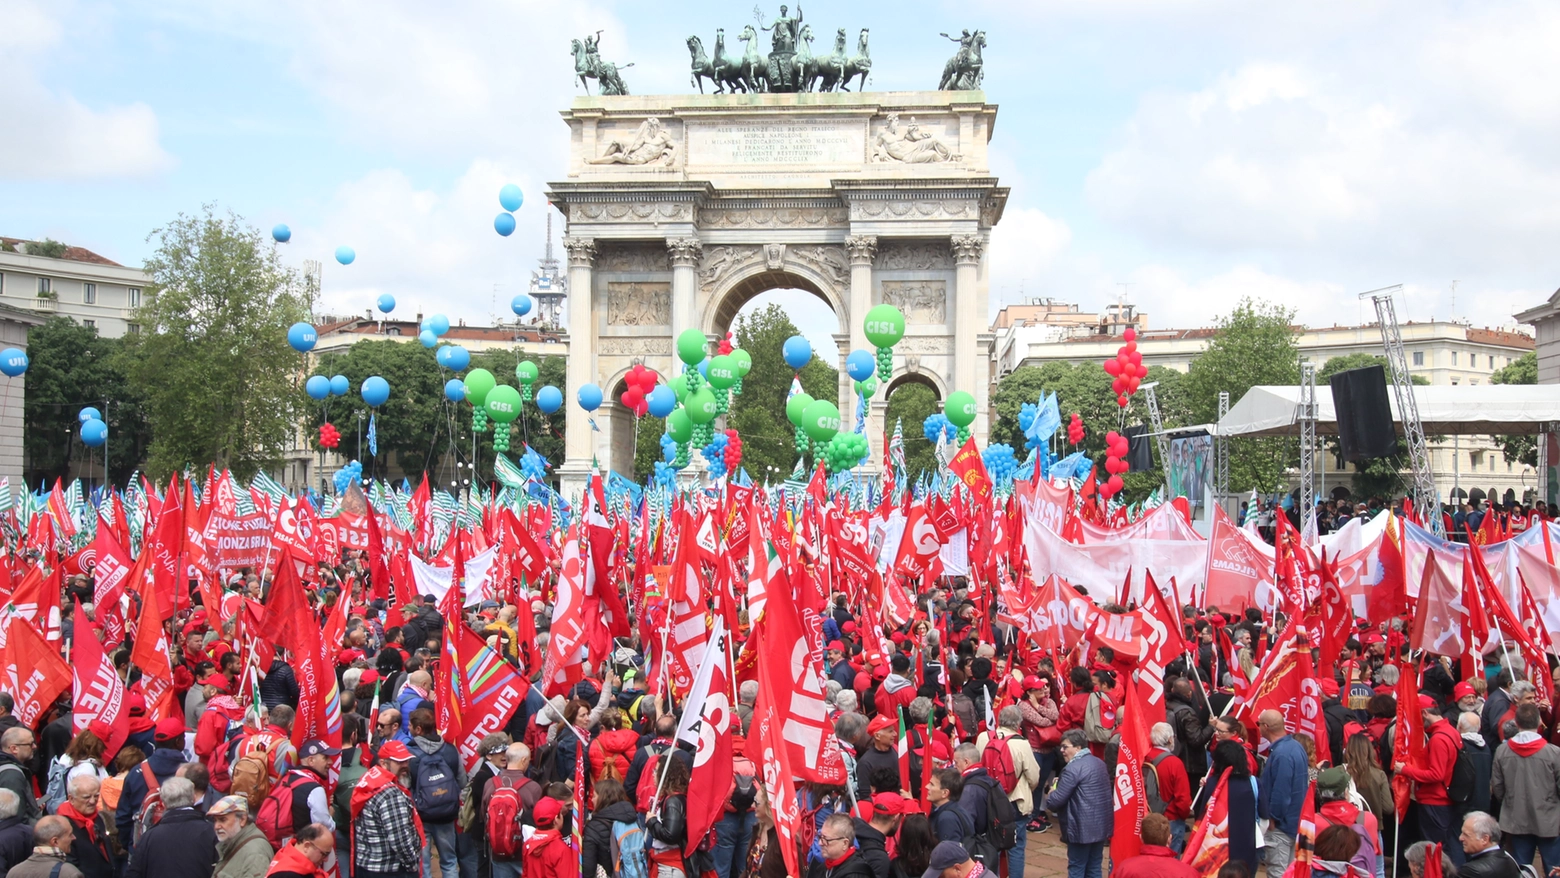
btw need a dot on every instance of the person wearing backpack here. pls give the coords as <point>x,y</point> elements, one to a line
<point>149,776</point>
<point>614,838</point>
<point>1433,780</point>
<point>17,745</point>
<point>1168,789</point>
<point>734,829</point>
<point>182,844</point>
<point>1010,761</point>
<point>437,779</point>
<point>298,797</point>
<point>1526,779</point>
<point>508,795</point>
<point>613,751</point>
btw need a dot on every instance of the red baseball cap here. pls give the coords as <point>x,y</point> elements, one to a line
<point>217,682</point>
<point>546,810</point>
<point>169,729</point>
<point>1330,687</point>
<point>879,723</point>
<point>1427,703</point>
<point>370,676</point>
<point>888,803</point>
<point>835,645</point>
<point>1463,690</point>
<point>1033,682</point>
<point>395,751</point>
<point>348,656</point>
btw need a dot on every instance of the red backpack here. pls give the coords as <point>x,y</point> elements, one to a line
<point>275,816</point>
<point>503,821</point>
<point>997,759</point>
<point>649,779</point>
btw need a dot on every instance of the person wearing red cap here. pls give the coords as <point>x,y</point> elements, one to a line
<point>840,670</point>
<point>547,855</point>
<point>387,834</point>
<point>882,755</point>
<point>1433,778</point>
<point>1468,700</point>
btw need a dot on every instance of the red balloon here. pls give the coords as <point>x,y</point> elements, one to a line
<point>1115,485</point>
<point>1121,400</point>
<point>1129,334</point>
<point>1119,385</point>
<point>1112,367</point>
<point>1111,437</point>
<point>1130,347</point>
<point>632,399</point>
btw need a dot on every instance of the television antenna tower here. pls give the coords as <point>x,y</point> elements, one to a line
<point>548,286</point>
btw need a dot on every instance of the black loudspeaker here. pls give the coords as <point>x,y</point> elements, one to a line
<point>1139,455</point>
<point>1365,428</point>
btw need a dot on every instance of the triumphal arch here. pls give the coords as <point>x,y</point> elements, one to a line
<point>679,209</point>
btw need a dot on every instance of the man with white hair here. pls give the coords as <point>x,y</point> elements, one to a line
<point>747,696</point>
<point>16,833</point>
<point>92,852</point>
<point>242,849</point>
<point>1480,839</point>
<point>1165,772</point>
<point>182,844</point>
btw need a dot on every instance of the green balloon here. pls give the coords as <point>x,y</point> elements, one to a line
<point>960,408</point>
<point>885,326</point>
<point>867,388</point>
<point>690,346</point>
<point>821,420</point>
<point>744,362</point>
<point>679,426</point>
<point>795,406</point>
<point>503,403</point>
<point>723,372</point>
<point>679,386</point>
<point>526,372</point>
<point>701,406</point>
<point>479,383</point>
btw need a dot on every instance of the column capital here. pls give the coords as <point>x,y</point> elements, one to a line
<point>967,249</point>
<point>582,251</point>
<point>684,251</point>
<point>862,248</point>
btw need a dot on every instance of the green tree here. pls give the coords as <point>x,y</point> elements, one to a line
<point>1255,345</point>
<point>758,414</point>
<point>212,364</point>
<point>1522,370</point>
<point>911,404</point>
<point>73,367</point>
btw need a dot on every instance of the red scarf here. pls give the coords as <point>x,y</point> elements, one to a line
<point>290,859</point>
<point>834,864</point>
<point>87,822</point>
<point>378,778</point>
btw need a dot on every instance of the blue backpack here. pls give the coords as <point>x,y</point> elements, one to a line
<point>628,850</point>
<point>435,793</point>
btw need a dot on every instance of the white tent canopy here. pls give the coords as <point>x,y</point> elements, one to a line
<point>1479,410</point>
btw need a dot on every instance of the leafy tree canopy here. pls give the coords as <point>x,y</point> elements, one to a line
<point>758,414</point>
<point>73,367</point>
<point>1255,345</point>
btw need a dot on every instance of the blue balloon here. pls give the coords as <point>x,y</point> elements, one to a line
<point>453,357</point>
<point>317,387</point>
<point>375,391</point>
<point>302,337</point>
<point>427,338</point>
<point>386,303</point>
<point>590,397</point>
<point>455,390</point>
<point>504,224</point>
<point>280,233</point>
<point>510,197</point>
<point>13,362</point>
<point>345,255</point>
<point>661,401</point>
<point>89,414</point>
<point>861,365</point>
<point>549,399</point>
<point>521,305</point>
<point>439,324</point>
<point>797,352</point>
<point>339,385</point>
<point>94,433</point>
<point>704,368</point>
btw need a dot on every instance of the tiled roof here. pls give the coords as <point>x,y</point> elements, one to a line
<point>72,254</point>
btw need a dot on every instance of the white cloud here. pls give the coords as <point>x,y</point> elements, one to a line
<point>434,249</point>
<point>1026,248</point>
<point>49,134</point>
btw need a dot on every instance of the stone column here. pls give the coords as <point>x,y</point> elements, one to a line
<point>967,250</point>
<point>685,254</point>
<point>578,441</point>
<point>862,249</point>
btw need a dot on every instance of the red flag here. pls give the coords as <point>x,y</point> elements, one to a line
<point>706,727</point>
<point>968,468</point>
<point>36,673</point>
<point>446,683</point>
<point>290,623</point>
<point>99,693</point>
<point>1389,598</point>
<point>1209,847</point>
<point>1408,742</point>
<point>1130,795</point>
<point>1235,567</point>
<point>167,550</point>
<point>150,654</point>
<point>1287,683</point>
<point>790,667</point>
<point>1437,627</point>
<point>561,669</point>
<point>489,690</point>
<point>378,570</point>
<point>772,752</point>
<point>1305,839</point>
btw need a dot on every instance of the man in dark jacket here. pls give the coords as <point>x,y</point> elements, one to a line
<point>440,827</point>
<point>949,821</point>
<point>1337,716</point>
<point>163,763</point>
<point>1495,706</point>
<point>91,848</point>
<point>1188,717</point>
<point>1480,839</point>
<point>966,758</point>
<point>16,751</point>
<point>182,844</point>
<point>280,685</point>
<point>881,753</point>
<point>872,836</point>
<point>1082,799</point>
<point>16,834</point>
<point>837,844</point>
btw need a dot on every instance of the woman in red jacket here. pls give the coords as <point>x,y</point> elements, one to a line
<point>613,750</point>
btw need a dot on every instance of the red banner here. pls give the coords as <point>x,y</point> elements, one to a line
<point>99,694</point>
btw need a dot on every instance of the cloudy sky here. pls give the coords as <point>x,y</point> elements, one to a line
<point>1184,153</point>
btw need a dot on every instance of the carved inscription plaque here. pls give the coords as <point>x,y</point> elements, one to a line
<point>788,142</point>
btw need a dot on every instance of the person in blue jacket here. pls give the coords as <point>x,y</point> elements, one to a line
<point>1281,791</point>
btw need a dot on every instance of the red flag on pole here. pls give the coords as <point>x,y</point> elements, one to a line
<point>36,672</point>
<point>1130,794</point>
<point>99,694</point>
<point>150,654</point>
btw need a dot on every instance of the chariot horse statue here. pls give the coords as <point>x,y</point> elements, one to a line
<point>965,70</point>
<point>588,65</point>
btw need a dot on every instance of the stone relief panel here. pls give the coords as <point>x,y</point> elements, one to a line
<point>773,217</point>
<point>639,304</point>
<point>638,346</point>
<point>630,212</point>
<point>633,257</point>
<point>909,142</point>
<point>720,263</point>
<point>956,209</point>
<point>895,255</point>
<point>649,144</point>
<point>828,260</point>
<point>924,345</point>
<point>921,301</point>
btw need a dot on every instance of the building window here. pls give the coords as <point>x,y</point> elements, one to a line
<point>1455,382</point>
<point>45,286</point>
<point>1473,460</point>
<point>1492,361</point>
<point>1492,463</point>
<point>1508,466</point>
<point>1419,358</point>
<point>89,293</point>
<point>135,297</point>
<point>90,324</point>
<point>133,328</point>
<point>1474,382</point>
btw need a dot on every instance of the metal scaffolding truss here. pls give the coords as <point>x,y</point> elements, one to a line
<point>1308,452</point>
<point>1426,500</point>
<point>1221,454</point>
<point>1157,425</point>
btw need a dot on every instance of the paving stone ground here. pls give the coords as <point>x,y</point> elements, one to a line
<point>1046,856</point>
